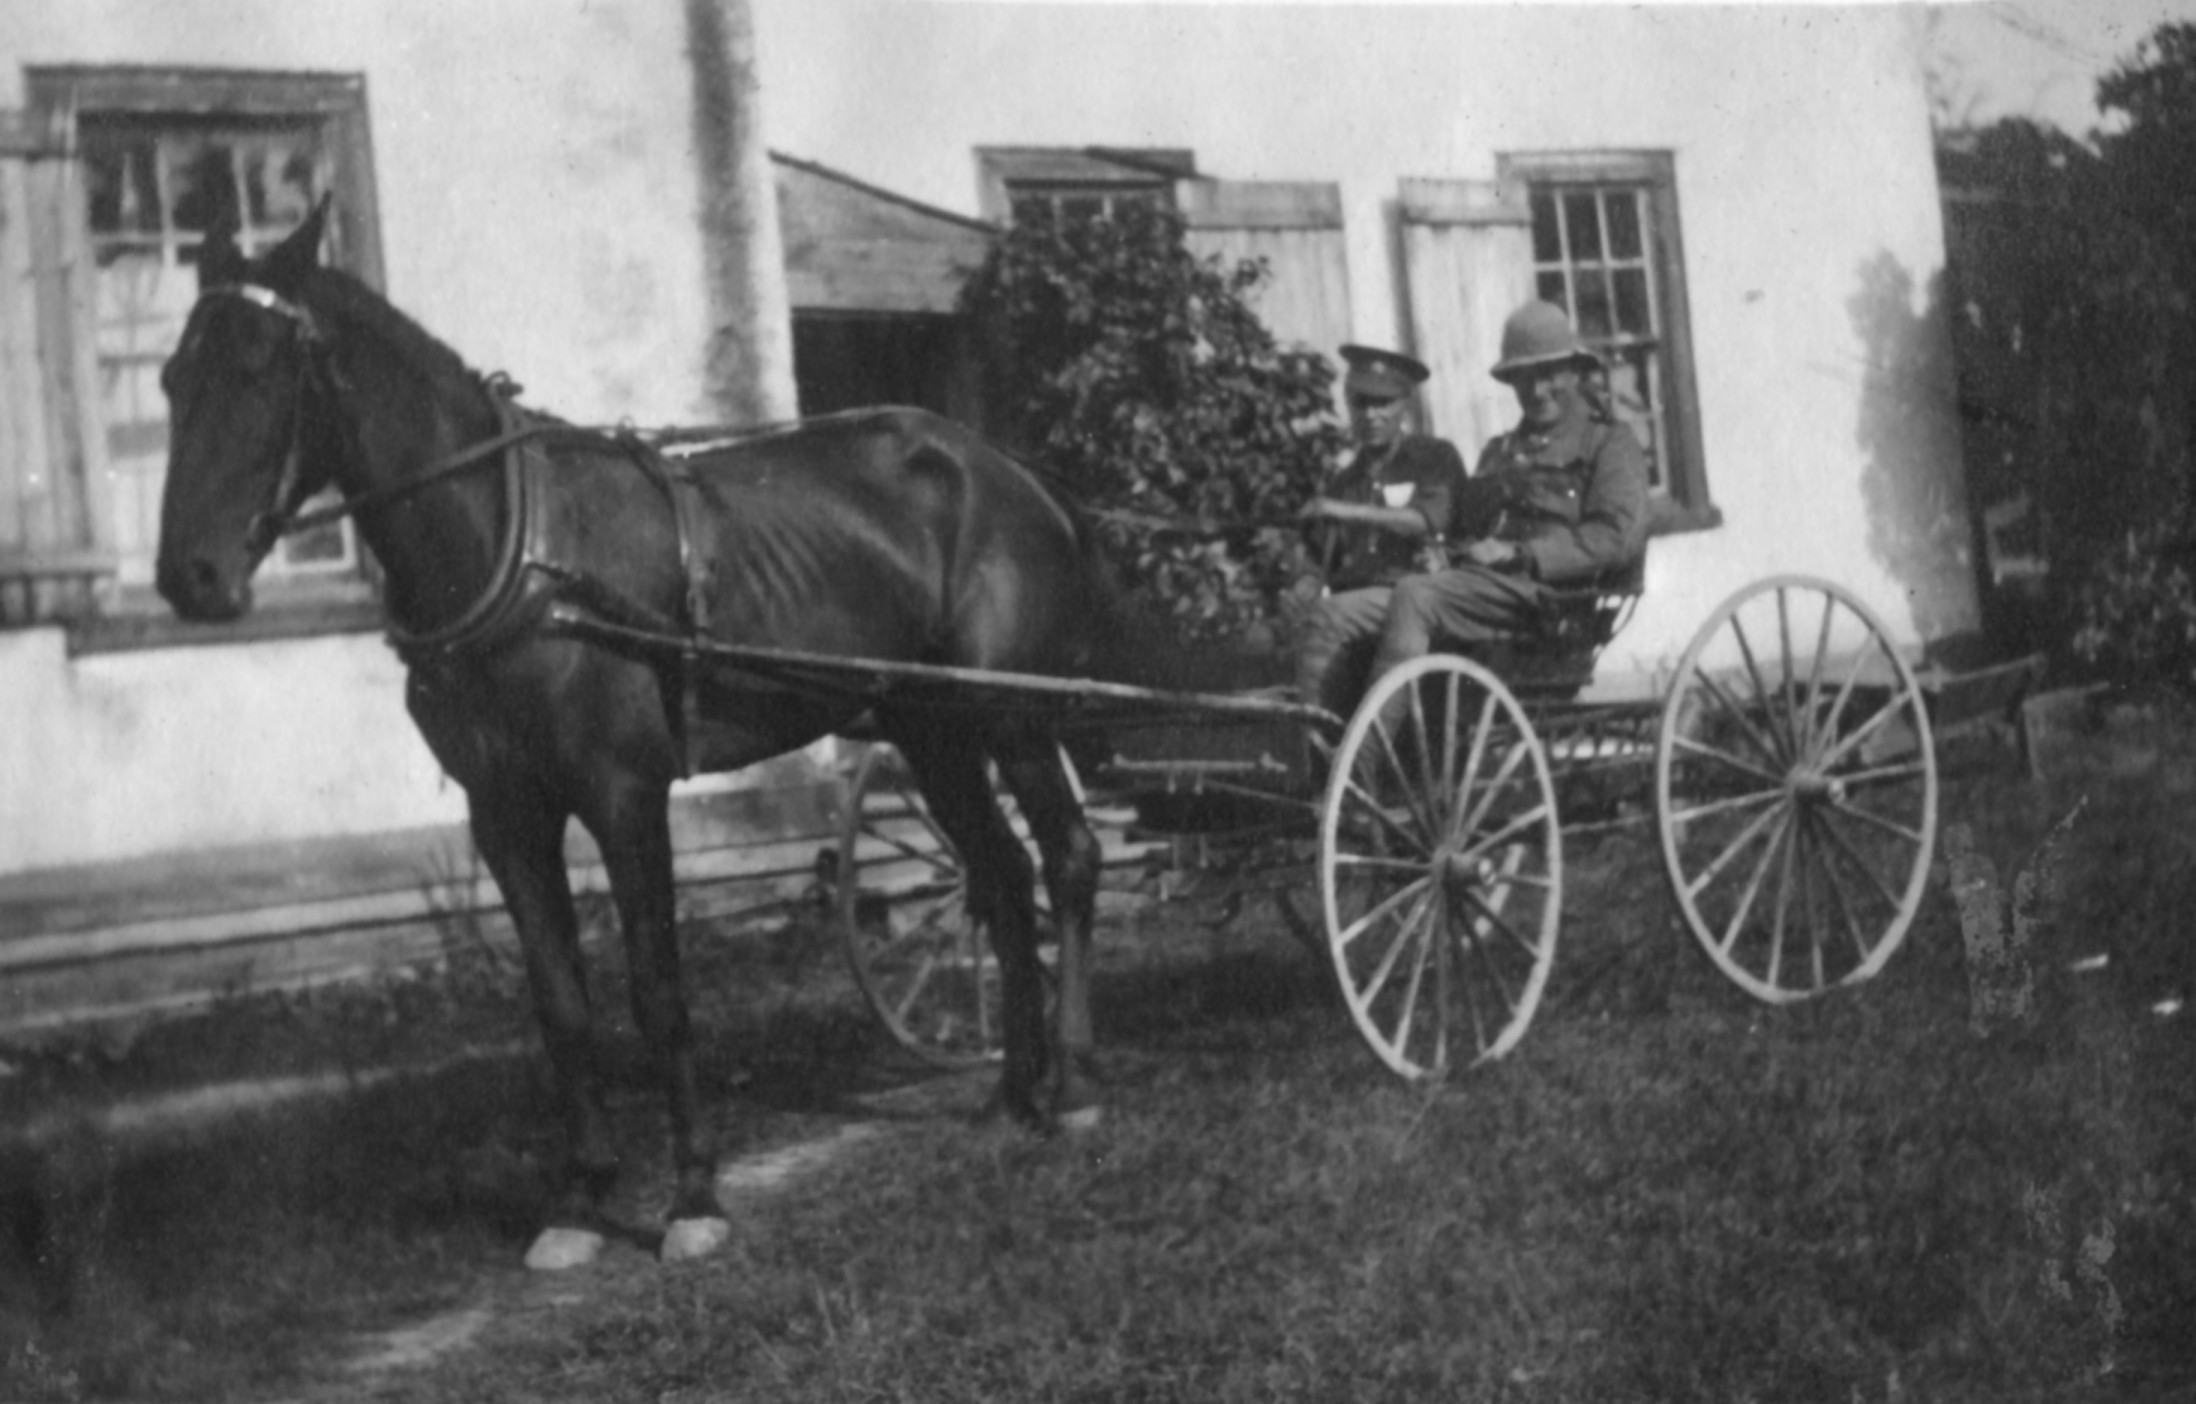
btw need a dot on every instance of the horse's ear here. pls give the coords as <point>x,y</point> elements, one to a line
<point>289,261</point>
<point>219,262</point>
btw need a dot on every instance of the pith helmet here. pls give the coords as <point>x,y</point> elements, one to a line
<point>1539,334</point>
<point>1381,375</point>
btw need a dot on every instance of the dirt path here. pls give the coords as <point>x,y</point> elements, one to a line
<point>384,1363</point>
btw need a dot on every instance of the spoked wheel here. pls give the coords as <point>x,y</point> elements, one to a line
<point>924,965</point>
<point>1796,789</point>
<point>1441,867</point>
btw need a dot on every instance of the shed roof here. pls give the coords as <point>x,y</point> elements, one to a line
<point>855,247</point>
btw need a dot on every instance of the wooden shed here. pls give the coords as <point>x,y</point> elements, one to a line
<point>874,280</point>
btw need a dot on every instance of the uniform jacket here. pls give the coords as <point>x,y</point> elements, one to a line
<point>1577,495</point>
<point>1366,555</point>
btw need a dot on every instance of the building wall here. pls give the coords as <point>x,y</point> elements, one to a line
<point>538,193</point>
<point>1806,188</point>
<point>544,207</point>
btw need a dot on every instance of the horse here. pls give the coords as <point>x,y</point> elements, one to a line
<point>891,535</point>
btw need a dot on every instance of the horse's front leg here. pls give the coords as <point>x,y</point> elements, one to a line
<point>632,828</point>
<point>521,838</point>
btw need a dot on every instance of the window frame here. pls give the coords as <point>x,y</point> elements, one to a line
<point>1683,501</point>
<point>291,604</point>
<point>1006,173</point>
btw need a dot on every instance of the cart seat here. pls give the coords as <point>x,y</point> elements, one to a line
<point>1556,659</point>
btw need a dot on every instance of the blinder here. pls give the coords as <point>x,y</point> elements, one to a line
<point>292,491</point>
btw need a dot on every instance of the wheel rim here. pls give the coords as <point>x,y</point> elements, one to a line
<point>925,967</point>
<point>1796,789</point>
<point>1441,868</point>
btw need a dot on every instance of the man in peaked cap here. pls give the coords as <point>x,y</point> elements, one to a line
<point>1395,495</point>
<point>1560,500</point>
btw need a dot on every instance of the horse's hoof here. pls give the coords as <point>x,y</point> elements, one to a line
<point>559,1248</point>
<point>1078,1120</point>
<point>693,1238</point>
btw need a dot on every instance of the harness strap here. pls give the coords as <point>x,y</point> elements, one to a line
<point>492,606</point>
<point>676,477</point>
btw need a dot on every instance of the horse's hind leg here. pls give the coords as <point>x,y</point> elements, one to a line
<point>521,838</point>
<point>949,768</point>
<point>630,819</point>
<point>1039,780</point>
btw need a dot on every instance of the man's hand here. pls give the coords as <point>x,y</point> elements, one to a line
<point>1494,553</point>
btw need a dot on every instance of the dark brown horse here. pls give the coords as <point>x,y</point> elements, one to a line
<point>891,535</point>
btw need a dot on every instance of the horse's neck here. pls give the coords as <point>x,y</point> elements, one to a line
<point>437,547</point>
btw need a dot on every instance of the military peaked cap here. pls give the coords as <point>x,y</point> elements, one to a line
<point>1382,375</point>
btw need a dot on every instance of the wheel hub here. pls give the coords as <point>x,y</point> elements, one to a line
<point>1814,787</point>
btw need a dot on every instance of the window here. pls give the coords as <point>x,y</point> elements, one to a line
<point>1076,182</point>
<point>1606,250</point>
<point>161,156</point>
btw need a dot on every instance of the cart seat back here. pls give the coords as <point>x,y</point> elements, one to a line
<point>1556,659</point>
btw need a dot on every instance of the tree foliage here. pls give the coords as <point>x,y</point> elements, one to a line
<point>1140,374</point>
<point>2069,287</point>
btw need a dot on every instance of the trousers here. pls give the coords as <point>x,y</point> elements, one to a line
<point>1353,639</point>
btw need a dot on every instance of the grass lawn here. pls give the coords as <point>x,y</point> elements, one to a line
<point>1667,1193</point>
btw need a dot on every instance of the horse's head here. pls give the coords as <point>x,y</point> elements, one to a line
<point>237,386</point>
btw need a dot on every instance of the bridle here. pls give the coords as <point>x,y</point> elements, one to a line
<point>285,514</point>
<point>279,517</point>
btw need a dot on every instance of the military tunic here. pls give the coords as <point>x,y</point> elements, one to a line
<point>1366,555</point>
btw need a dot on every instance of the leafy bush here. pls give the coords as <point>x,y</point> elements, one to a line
<point>2137,614</point>
<point>1139,373</point>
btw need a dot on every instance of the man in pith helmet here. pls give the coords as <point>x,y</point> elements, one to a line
<point>1396,495</point>
<point>1568,503</point>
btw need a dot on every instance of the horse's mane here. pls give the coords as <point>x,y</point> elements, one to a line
<point>344,298</point>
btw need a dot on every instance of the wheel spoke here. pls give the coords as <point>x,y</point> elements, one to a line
<point>1844,903</point>
<point>1491,918</point>
<point>1405,930</point>
<point>1761,693</point>
<point>1731,850</point>
<point>1867,870</point>
<point>1419,950</point>
<point>1700,811</point>
<point>1753,884</point>
<point>1492,791</point>
<point>1891,708</point>
<point>1738,715</point>
<point>1737,763</point>
<point>1349,934</point>
<point>1814,671</point>
<point>1482,842</point>
<point>1877,821</point>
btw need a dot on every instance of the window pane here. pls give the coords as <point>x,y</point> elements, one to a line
<point>1582,221</point>
<point>119,187</point>
<point>1633,313</point>
<point>279,182</point>
<point>1623,211</point>
<point>1551,287</point>
<point>1593,312</point>
<point>201,187</point>
<point>1547,239</point>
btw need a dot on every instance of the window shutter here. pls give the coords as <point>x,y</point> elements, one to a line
<point>1297,229</point>
<point>1467,263</point>
<point>54,518</point>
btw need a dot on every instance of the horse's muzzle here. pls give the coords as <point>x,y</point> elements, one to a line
<point>197,589</point>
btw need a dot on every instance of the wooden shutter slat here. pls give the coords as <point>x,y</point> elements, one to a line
<point>1467,257</point>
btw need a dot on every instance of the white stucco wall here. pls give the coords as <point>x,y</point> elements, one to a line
<point>1806,187</point>
<point>538,196</point>
<point>538,209</point>
<point>156,750</point>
